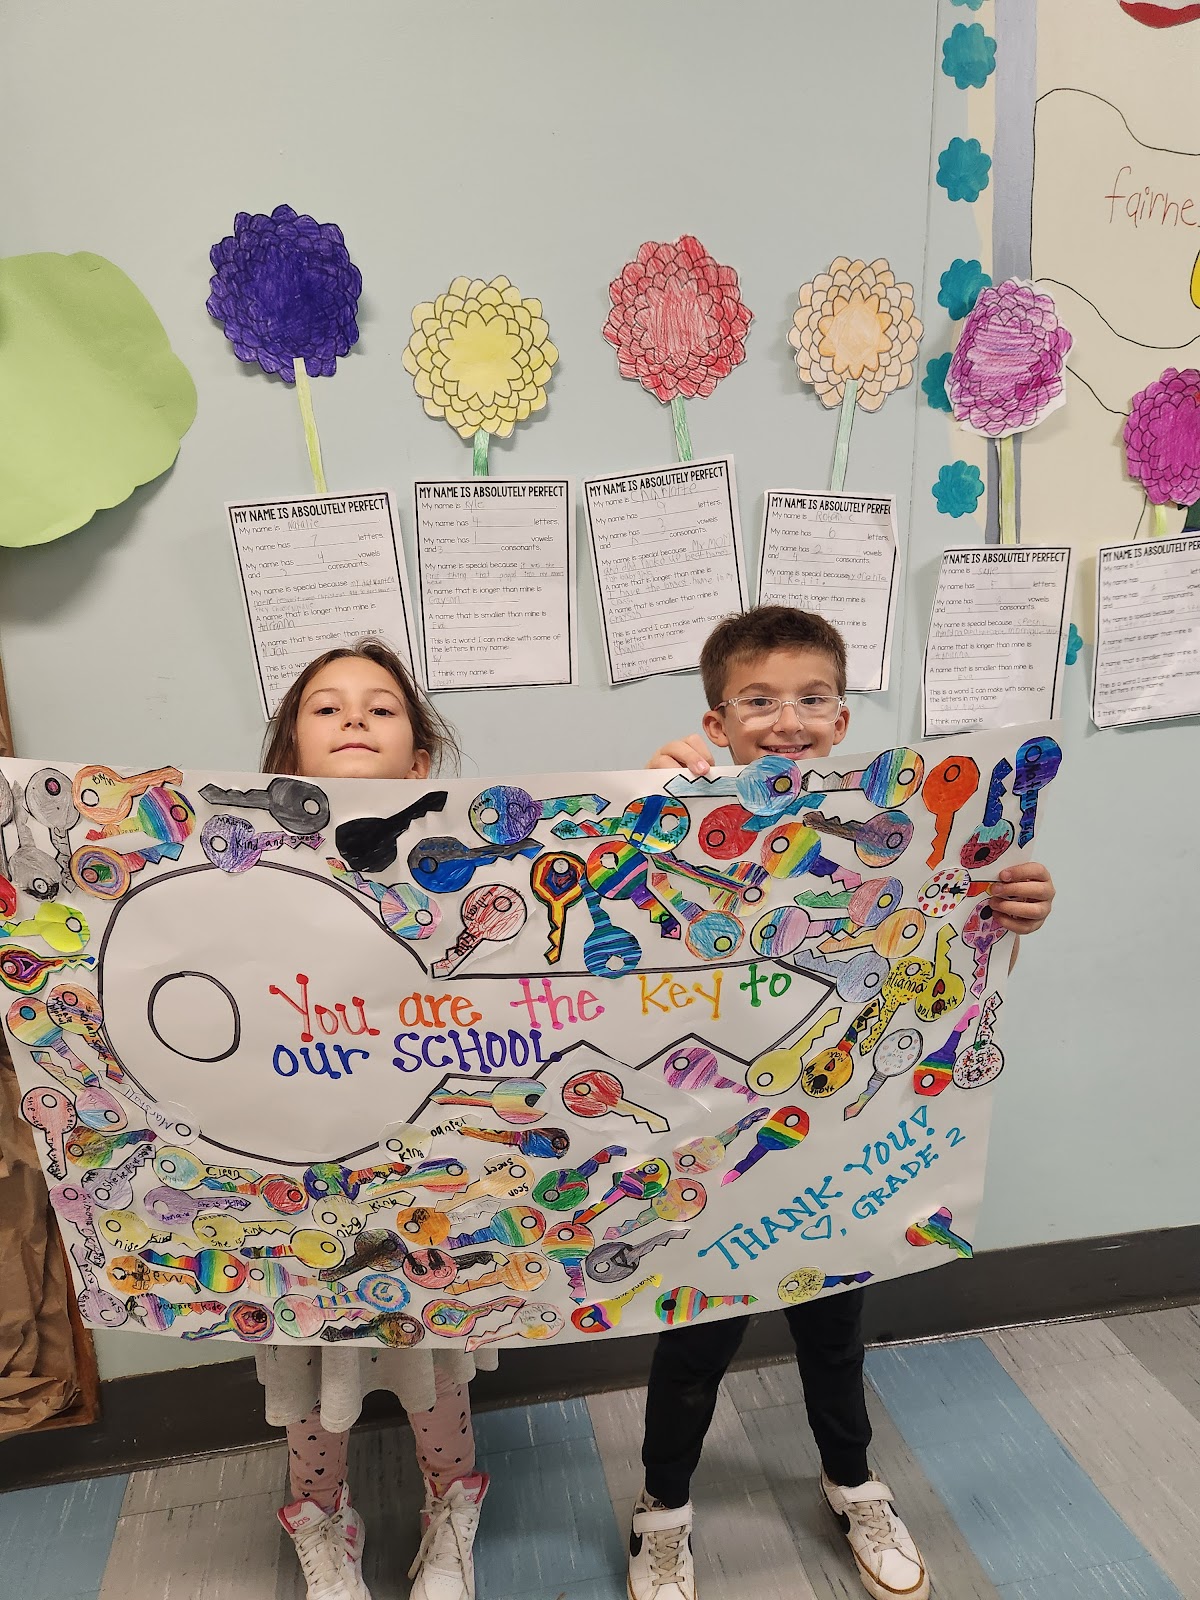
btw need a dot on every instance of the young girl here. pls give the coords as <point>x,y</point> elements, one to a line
<point>358,714</point>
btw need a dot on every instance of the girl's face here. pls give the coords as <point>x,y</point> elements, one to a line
<point>353,723</point>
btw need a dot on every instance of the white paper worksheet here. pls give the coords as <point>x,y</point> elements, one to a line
<point>997,637</point>
<point>317,573</point>
<point>836,554</point>
<point>1147,632</point>
<point>668,556</point>
<point>496,576</point>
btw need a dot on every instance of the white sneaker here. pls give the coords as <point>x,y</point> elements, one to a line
<point>329,1547</point>
<point>444,1568</point>
<point>889,1563</point>
<point>660,1552</point>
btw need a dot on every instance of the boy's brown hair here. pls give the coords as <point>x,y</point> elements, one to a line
<point>429,729</point>
<point>759,631</point>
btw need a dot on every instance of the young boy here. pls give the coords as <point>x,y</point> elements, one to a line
<point>775,679</point>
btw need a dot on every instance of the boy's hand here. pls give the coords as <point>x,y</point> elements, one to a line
<point>1022,899</point>
<point>690,753</point>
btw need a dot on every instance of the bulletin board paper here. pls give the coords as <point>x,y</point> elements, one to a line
<point>317,573</point>
<point>560,1058</point>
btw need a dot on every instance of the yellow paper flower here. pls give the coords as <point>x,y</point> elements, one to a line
<point>480,356</point>
<point>855,321</point>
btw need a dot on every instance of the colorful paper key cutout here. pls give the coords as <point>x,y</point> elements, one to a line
<point>933,1073</point>
<point>944,793</point>
<point>1038,761</point>
<point>709,1150</point>
<point>602,1316</point>
<point>783,1130</point>
<point>491,914</point>
<point>293,803</point>
<point>506,815</point>
<point>695,1067</point>
<point>982,1060</point>
<point>514,1100</point>
<point>684,1304</point>
<point>368,844</point>
<point>806,1283</point>
<point>994,834</point>
<point>936,1230</point>
<point>597,1093</point>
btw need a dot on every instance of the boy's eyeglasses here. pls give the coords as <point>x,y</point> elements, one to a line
<point>762,710</point>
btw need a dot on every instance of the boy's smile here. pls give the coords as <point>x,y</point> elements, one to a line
<point>798,732</point>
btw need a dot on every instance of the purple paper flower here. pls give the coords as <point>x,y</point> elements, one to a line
<point>284,288</point>
<point>1162,438</point>
<point>1007,370</point>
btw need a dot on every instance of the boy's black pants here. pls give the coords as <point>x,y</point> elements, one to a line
<point>690,1362</point>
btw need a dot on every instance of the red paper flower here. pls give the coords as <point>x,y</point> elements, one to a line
<point>678,322</point>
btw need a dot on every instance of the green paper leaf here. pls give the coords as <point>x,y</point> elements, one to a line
<point>93,400</point>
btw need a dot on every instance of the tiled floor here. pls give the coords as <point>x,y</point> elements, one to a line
<point>1051,1463</point>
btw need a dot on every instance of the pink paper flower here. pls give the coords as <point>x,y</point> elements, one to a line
<point>678,321</point>
<point>1162,438</point>
<point>1007,369</point>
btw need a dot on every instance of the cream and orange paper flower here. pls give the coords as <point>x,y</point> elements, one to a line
<point>480,356</point>
<point>856,322</point>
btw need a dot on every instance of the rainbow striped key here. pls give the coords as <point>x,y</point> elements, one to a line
<point>685,1304</point>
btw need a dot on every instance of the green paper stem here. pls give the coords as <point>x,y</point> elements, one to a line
<point>311,439</point>
<point>1008,489</point>
<point>479,458</point>
<point>841,448</point>
<point>683,437</point>
<point>1158,521</point>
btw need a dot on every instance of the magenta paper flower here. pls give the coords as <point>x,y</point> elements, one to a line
<point>1007,369</point>
<point>1162,438</point>
<point>285,288</point>
<point>678,321</point>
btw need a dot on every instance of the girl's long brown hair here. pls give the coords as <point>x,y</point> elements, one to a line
<point>430,730</point>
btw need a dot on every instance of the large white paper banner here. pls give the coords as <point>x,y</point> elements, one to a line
<point>551,1059</point>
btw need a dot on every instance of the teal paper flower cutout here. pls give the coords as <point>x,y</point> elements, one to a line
<point>963,169</point>
<point>934,382</point>
<point>974,4</point>
<point>969,55</point>
<point>1074,644</point>
<point>961,285</point>
<point>958,489</point>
